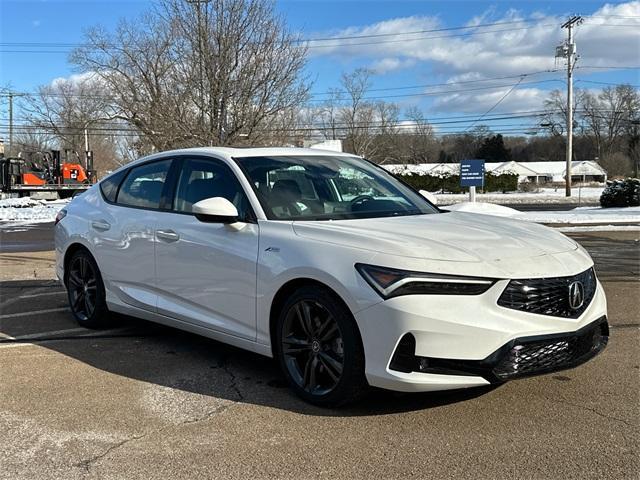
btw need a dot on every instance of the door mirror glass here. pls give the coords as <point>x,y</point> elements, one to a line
<point>215,210</point>
<point>429,196</point>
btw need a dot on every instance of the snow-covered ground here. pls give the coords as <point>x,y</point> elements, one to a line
<point>584,216</point>
<point>26,210</point>
<point>544,195</point>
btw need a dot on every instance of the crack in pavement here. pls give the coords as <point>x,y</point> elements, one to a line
<point>593,410</point>
<point>89,462</point>
<point>224,365</point>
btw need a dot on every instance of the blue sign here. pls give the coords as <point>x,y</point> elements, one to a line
<point>472,173</point>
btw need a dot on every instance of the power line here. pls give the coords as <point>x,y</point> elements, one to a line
<point>378,97</point>
<point>305,43</point>
<point>448,92</point>
<point>341,125</point>
<point>67,49</point>
<point>608,83</point>
<point>330,92</point>
<point>606,67</point>
<point>315,94</point>
<point>428,85</point>
<point>303,40</point>
<point>497,103</point>
<point>398,124</point>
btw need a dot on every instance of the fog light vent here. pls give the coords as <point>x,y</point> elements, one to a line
<point>404,358</point>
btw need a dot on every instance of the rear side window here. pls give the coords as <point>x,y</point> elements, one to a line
<point>144,184</point>
<point>109,186</point>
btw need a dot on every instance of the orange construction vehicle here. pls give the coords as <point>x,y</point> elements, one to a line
<point>44,172</point>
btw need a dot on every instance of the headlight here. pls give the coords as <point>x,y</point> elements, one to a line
<point>389,282</point>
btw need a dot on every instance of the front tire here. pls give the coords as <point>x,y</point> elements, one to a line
<point>85,291</point>
<point>319,349</point>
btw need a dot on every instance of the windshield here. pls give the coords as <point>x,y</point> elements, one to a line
<point>328,188</point>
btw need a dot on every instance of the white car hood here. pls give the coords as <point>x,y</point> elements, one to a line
<point>450,237</point>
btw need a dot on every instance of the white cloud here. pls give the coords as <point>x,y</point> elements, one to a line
<point>387,65</point>
<point>500,49</point>
<point>76,80</point>
<point>521,100</point>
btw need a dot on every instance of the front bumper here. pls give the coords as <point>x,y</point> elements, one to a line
<point>466,341</point>
<point>521,357</point>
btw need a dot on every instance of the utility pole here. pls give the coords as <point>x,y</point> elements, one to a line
<point>568,50</point>
<point>10,154</point>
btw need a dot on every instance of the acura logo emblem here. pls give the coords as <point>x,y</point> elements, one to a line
<point>576,295</point>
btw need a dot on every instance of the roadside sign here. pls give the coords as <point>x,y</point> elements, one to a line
<point>472,173</point>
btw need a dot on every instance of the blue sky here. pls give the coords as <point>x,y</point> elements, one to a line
<point>422,60</point>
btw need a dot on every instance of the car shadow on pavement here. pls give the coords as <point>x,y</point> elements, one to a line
<point>159,355</point>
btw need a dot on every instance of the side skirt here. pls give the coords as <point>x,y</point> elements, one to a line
<point>198,330</point>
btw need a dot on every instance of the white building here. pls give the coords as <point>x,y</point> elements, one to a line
<point>536,172</point>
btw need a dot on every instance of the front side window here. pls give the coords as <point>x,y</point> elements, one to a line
<point>202,179</point>
<point>328,188</point>
<point>144,184</point>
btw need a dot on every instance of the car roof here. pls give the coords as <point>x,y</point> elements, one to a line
<point>229,153</point>
<point>241,152</point>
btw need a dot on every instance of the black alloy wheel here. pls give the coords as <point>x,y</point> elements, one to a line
<point>320,349</point>
<point>313,347</point>
<point>83,287</point>
<point>86,291</point>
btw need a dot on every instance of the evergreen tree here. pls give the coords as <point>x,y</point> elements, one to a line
<point>493,150</point>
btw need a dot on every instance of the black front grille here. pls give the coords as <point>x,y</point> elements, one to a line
<point>535,356</point>
<point>549,296</point>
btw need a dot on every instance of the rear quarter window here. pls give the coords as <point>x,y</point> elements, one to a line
<point>109,186</point>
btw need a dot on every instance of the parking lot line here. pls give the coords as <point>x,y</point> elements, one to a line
<point>35,312</point>
<point>7,341</point>
<point>42,334</point>
<point>43,294</point>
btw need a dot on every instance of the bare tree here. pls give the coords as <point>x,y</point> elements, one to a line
<point>357,115</point>
<point>607,116</point>
<point>421,144</point>
<point>387,139</point>
<point>329,114</point>
<point>211,72</point>
<point>32,140</point>
<point>67,114</point>
<point>554,119</point>
<point>66,107</point>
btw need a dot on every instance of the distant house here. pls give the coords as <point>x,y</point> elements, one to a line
<point>535,172</point>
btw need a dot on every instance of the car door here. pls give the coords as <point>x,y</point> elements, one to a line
<point>206,272</point>
<point>123,233</point>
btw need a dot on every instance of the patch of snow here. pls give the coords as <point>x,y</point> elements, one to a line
<point>576,216</point>
<point>544,195</point>
<point>600,228</point>
<point>585,215</point>
<point>484,208</point>
<point>26,210</point>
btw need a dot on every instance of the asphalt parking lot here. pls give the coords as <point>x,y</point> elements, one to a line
<point>144,401</point>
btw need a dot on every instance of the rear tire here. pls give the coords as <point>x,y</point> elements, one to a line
<point>85,291</point>
<point>319,349</point>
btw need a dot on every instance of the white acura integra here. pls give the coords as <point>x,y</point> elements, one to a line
<point>331,265</point>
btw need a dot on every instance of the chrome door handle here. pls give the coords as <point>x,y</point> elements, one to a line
<point>101,225</point>
<point>167,235</point>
